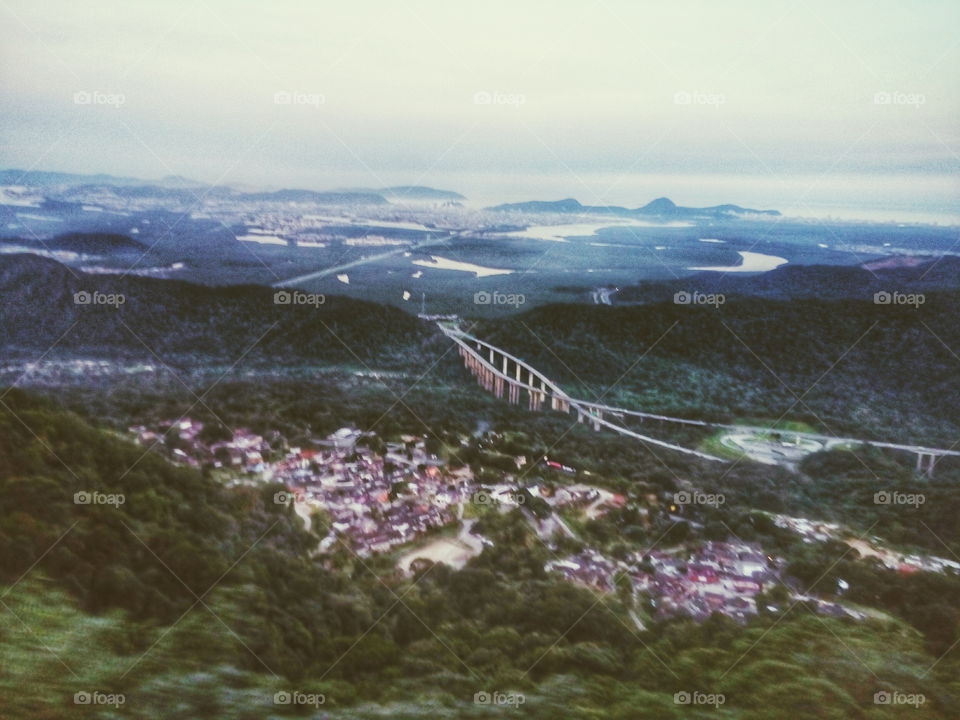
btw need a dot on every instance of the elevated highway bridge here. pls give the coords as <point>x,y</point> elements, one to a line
<point>506,375</point>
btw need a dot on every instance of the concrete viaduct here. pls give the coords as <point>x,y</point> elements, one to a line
<point>503,374</point>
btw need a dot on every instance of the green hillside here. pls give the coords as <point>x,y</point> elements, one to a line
<point>196,601</point>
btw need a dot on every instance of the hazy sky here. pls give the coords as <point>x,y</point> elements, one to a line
<point>417,90</point>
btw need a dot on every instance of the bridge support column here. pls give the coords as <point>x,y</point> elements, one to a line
<point>534,395</point>
<point>926,463</point>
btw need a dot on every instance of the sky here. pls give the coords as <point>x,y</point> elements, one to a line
<point>779,100</point>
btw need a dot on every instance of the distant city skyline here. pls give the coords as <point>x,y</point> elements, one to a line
<point>805,104</point>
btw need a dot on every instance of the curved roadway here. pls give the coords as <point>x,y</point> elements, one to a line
<point>588,408</point>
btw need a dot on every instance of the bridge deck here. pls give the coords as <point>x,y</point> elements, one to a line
<point>594,410</point>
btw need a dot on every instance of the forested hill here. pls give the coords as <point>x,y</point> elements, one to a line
<point>845,366</point>
<point>193,600</point>
<point>144,318</point>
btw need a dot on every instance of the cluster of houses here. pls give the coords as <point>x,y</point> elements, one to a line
<point>589,567</point>
<point>722,577</point>
<point>182,441</point>
<point>594,501</point>
<point>811,531</point>
<point>375,502</point>
<point>716,577</point>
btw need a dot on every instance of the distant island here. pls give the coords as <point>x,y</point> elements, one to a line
<point>661,208</point>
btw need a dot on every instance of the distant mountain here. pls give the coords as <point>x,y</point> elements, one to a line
<point>40,178</point>
<point>177,188</point>
<point>661,208</point>
<point>420,192</point>
<point>570,205</point>
<point>182,193</point>
<point>172,181</point>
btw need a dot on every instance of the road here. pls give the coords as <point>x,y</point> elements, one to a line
<point>595,411</point>
<point>463,339</point>
<point>601,296</point>
<point>336,270</point>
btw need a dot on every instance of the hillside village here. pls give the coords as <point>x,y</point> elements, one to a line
<point>374,496</point>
